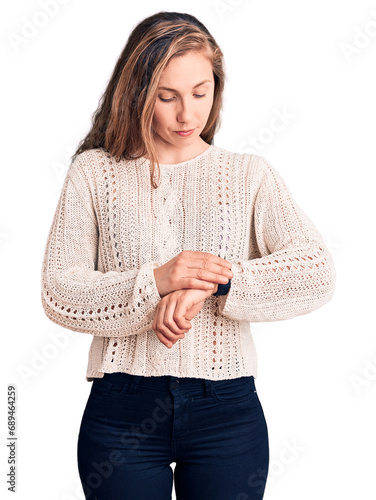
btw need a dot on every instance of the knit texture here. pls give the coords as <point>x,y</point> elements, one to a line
<point>111,228</point>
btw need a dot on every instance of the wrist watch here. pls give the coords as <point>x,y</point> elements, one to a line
<point>223,288</point>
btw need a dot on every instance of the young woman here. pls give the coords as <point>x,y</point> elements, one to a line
<point>164,247</point>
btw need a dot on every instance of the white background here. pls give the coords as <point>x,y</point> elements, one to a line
<point>317,372</point>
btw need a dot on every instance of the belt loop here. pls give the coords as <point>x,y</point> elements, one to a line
<point>134,383</point>
<point>208,387</point>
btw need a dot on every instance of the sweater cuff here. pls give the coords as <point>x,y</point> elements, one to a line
<point>150,279</point>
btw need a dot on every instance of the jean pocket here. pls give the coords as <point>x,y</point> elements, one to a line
<point>112,386</point>
<point>100,388</point>
<point>234,390</point>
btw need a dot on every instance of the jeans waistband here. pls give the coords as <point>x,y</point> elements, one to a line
<point>164,381</point>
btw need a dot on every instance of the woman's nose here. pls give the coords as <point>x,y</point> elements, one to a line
<point>185,112</point>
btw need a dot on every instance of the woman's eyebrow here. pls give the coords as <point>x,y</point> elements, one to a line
<point>174,90</point>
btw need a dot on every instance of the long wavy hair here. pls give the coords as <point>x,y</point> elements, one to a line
<point>122,123</point>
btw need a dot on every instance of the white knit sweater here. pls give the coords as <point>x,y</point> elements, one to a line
<point>111,228</point>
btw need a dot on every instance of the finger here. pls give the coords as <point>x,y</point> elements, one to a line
<point>210,258</point>
<point>158,323</point>
<point>175,312</point>
<point>179,316</point>
<point>167,342</point>
<point>211,268</point>
<point>162,328</point>
<point>160,335</point>
<point>198,282</point>
<point>163,339</point>
<point>204,279</point>
<point>177,326</point>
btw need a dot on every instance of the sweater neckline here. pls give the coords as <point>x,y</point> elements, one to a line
<point>192,160</point>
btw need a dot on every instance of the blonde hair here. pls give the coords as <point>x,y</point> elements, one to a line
<point>122,124</point>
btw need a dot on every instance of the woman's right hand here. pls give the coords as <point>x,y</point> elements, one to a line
<point>192,269</point>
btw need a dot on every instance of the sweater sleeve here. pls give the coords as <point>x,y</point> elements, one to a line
<point>74,293</point>
<point>294,274</point>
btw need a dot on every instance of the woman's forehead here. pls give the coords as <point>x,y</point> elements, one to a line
<point>191,69</point>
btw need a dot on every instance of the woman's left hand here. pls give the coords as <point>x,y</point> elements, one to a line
<point>174,312</point>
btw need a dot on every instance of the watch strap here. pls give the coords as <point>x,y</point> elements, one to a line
<point>223,288</point>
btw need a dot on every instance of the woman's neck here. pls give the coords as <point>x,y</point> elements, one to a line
<point>169,155</point>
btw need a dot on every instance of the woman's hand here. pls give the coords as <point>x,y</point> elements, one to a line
<point>174,312</point>
<point>193,270</point>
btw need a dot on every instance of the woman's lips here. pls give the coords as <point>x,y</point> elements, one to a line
<point>184,133</point>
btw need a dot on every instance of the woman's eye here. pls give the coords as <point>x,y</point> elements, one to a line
<point>198,96</point>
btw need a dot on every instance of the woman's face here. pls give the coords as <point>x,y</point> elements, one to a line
<point>184,100</point>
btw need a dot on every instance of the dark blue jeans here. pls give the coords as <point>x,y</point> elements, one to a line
<point>134,427</point>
